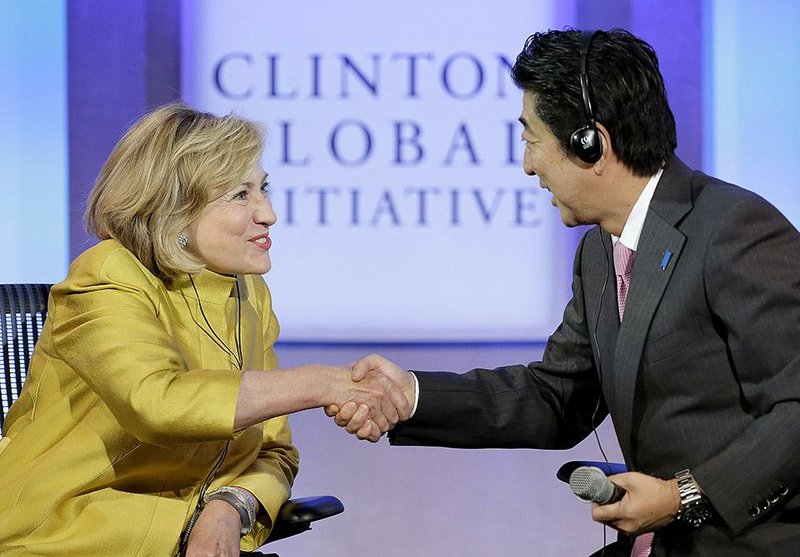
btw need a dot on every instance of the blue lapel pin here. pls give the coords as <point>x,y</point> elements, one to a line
<point>665,260</point>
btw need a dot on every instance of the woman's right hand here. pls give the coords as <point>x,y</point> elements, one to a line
<point>266,394</point>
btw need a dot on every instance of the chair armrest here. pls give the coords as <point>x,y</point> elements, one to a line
<point>609,468</point>
<point>296,515</point>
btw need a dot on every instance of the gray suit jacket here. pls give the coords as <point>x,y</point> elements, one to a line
<point>703,373</point>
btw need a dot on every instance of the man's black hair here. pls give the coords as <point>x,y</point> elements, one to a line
<point>627,92</point>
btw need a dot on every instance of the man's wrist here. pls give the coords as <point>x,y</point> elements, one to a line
<point>414,399</point>
<point>676,498</point>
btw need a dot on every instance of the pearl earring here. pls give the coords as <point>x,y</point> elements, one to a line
<point>183,241</point>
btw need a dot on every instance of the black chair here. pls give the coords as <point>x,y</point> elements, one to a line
<point>23,310</point>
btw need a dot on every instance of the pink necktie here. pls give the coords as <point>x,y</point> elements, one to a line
<point>642,545</point>
<point>623,266</point>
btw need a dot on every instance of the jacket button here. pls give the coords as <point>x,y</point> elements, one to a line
<point>754,511</point>
<point>782,490</point>
<point>773,497</point>
<point>764,504</point>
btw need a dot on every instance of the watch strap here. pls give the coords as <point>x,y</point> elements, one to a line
<point>694,510</point>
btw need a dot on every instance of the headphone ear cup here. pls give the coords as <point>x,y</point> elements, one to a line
<point>586,144</point>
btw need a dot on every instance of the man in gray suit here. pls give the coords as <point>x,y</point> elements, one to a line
<point>684,322</point>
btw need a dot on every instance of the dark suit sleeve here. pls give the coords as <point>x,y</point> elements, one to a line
<point>752,279</point>
<point>548,404</point>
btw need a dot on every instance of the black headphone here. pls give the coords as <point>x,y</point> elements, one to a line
<point>585,141</point>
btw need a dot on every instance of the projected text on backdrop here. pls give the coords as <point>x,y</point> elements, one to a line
<point>396,175</point>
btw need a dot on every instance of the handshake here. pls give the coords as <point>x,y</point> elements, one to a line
<point>373,399</point>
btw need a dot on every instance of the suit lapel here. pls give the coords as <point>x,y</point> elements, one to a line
<point>659,250</point>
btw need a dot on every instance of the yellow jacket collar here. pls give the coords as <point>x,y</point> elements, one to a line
<point>211,287</point>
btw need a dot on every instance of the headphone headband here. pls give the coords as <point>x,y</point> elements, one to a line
<point>586,42</point>
<point>585,141</point>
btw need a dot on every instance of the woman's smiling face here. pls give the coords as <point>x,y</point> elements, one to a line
<point>232,233</point>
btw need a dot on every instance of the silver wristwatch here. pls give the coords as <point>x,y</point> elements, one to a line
<point>695,510</point>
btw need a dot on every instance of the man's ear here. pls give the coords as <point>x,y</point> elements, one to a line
<point>605,157</point>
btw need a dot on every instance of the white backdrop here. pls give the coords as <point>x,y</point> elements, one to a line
<point>394,157</point>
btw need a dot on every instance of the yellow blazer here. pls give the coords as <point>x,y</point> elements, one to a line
<point>127,406</point>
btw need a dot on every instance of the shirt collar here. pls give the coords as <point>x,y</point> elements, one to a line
<point>633,226</point>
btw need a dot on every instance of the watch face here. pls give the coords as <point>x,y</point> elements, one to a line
<point>697,515</point>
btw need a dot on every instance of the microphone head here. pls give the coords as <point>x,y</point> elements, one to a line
<point>591,484</point>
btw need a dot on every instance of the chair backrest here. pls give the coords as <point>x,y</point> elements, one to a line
<point>23,309</point>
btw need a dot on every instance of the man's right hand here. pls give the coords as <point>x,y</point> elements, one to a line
<point>355,417</point>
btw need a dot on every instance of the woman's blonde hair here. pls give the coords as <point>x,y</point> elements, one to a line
<point>161,175</point>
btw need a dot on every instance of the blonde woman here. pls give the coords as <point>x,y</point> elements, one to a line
<point>148,424</point>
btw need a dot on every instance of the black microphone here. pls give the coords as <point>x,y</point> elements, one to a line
<point>591,484</point>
